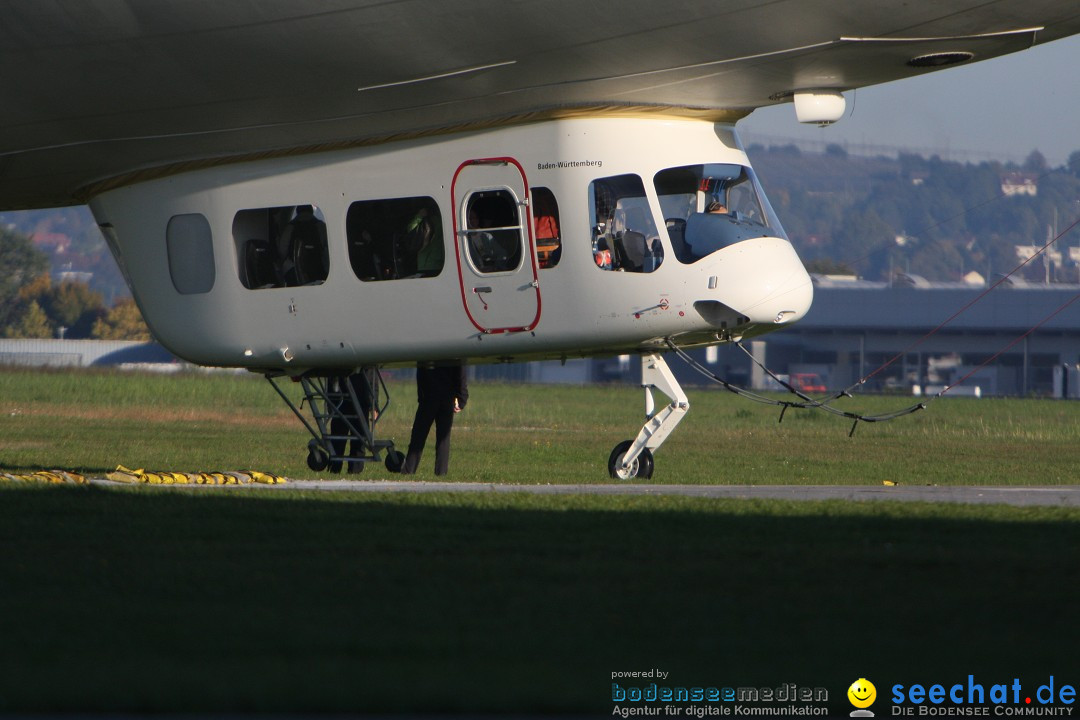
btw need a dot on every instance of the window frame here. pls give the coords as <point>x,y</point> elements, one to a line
<point>520,229</point>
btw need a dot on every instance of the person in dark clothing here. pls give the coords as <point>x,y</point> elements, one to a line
<point>440,393</point>
<point>364,387</point>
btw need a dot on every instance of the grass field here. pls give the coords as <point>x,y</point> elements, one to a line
<point>93,421</point>
<point>143,600</point>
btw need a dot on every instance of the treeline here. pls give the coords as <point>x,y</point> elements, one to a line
<point>930,217</point>
<point>33,306</point>
<point>74,244</point>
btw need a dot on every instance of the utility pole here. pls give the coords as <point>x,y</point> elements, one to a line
<point>1046,255</point>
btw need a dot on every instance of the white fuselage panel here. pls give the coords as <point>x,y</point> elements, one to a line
<point>562,238</point>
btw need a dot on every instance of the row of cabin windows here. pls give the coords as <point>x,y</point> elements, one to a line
<point>401,238</point>
<point>706,207</point>
<point>390,239</point>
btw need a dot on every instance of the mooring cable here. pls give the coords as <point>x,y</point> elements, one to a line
<point>805,401</point>
<point>967,306</point>
<point>808,403</point>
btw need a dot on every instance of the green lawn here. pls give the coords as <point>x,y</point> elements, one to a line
<point>94,421</point>
<point>137,599</point>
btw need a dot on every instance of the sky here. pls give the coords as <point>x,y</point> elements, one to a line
<point>996,109</point>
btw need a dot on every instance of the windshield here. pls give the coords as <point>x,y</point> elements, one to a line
<point>709,207</point>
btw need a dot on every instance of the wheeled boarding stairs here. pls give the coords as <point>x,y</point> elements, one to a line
<point>345,409</point>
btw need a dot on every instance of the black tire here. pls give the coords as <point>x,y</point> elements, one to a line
<point>394,460</point>
<point>641,469</point>
<point>317,459</point>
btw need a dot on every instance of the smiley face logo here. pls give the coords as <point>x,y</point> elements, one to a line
<point>862,693</point>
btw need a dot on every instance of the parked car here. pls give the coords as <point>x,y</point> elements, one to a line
<point>807,382</point>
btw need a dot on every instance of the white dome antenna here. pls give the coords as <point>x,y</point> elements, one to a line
<point>819,107</point>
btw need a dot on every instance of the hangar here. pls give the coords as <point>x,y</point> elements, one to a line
<point>934,333</point>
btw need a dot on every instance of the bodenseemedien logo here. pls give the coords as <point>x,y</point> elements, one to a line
<point>862,694</point>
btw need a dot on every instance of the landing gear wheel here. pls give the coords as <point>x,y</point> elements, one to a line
<point>317,459</point>
<point>394,460</point>
<point>641,468</point>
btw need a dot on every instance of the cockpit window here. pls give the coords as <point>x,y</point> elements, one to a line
<point>624,235</point>
<point>709,207</point>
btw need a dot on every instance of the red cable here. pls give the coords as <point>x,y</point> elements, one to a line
<point>964,309</point>
<point>998,354</point>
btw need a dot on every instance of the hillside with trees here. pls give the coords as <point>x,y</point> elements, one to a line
<point>35,305</point>
<point>930,217</point>
<point>73,243</point>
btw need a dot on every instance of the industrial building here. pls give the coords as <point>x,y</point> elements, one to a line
<point>1014,339</point>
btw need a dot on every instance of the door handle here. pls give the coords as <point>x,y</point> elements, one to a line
<point>479,292</point>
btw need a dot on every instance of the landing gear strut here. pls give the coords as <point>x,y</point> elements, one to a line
<point>632,459</point>
<point>345,409</point>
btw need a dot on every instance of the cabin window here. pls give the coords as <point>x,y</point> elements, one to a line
<point>624,236</point>
<point>709,207</point>
<point>190,247</point>
<point>281,246</point>
<point>395,239</point>
<point>492,231</point>
<point>548,236</point>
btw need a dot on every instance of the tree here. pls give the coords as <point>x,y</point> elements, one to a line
<point>1074,163</point>
<point>122,322</point>
<point>71,302</point>
<point>1036,162</point>
<point>37,290</point>
<point>938,260</point>
<point>69,305</point>
<point>20,261</point>
<point>33,323</point>
<point>859,240</point>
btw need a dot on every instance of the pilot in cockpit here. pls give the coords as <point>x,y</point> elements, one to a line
<point>707,232</point>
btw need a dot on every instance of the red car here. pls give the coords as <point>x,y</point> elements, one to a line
<point>808,382</point>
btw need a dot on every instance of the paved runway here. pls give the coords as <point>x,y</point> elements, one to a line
<point>1063,495</point>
